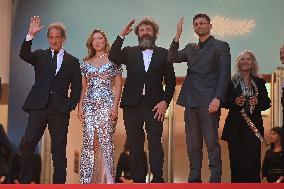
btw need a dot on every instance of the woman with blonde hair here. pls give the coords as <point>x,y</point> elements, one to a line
<point>246,93</point>
<point>98,110</point>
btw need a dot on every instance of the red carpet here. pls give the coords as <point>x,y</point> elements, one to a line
<point>146,186</point>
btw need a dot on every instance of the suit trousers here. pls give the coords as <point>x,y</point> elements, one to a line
<point>199,125</point>
<point>57,123</point>
<point>134,119</point>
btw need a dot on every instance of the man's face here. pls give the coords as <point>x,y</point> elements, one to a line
<point>55,39</point>
<point>282,55</point>
<point>201,26</point>
<point>146,36</point>
<point>145,31</point>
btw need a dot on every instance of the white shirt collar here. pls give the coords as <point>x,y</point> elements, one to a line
<point>60,53</point>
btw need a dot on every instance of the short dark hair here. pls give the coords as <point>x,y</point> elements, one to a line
<point>201,15</point>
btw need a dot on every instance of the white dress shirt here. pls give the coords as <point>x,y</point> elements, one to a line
<point>147,56</point>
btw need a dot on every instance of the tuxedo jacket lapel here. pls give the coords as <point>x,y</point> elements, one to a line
<point>154,58</point>
<point>139,56</point>
<point>49,61</point>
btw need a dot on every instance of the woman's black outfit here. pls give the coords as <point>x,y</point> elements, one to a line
<point>244,146</point>
<point>273,165</point>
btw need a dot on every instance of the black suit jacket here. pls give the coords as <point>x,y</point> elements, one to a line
<point>234,120</point>
<point>46,83</point>
<point>160,71</point>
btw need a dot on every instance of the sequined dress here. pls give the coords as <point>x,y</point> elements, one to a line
<point>97,166</point>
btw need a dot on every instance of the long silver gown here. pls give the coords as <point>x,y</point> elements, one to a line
<point>97,157</point>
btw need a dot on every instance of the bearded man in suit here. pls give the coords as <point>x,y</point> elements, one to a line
<point>143,99</point>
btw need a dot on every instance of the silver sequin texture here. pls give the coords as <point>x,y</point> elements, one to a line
<point>97,166</point>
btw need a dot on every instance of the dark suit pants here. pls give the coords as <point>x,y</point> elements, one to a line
<point>58,128</point>
<point>134,118</point>
<point>200,124</point>
<point>245,153</point>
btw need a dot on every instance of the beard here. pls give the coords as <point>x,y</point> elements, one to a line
<point>146,42</point>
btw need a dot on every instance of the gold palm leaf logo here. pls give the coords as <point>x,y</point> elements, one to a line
<point>222,26</point>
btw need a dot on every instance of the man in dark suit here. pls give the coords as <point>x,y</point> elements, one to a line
<point>204,88</point>
<point>48,102</point>
<point>144,100</point>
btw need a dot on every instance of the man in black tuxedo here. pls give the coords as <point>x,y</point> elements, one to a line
<point>144,100</point>
<point>48,102</point>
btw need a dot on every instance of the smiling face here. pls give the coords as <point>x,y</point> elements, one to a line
<point>246,62</point>
<point>98,42</point>
<point>201,26</point>
<point>55,39</point>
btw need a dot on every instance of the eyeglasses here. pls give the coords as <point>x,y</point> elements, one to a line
<point>200,23</point>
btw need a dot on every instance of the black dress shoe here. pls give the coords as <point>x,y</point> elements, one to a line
<point>160,180</point>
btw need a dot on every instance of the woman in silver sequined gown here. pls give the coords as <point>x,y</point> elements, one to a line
<point>97,110</point>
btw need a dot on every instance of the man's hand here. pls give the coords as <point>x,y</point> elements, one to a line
<point>179,29</point>
<point>2,179</point>
<point>126,181</point>
<point>214,106</point>
<point>34,26</point>
<point>127,29</point>
<point>160,109</point>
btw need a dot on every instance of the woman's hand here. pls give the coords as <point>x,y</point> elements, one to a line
<point>113,113</point>
<point>253,101</point>
<point>240,100</point>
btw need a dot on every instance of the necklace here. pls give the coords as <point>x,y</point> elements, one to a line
<point>102,55</point>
